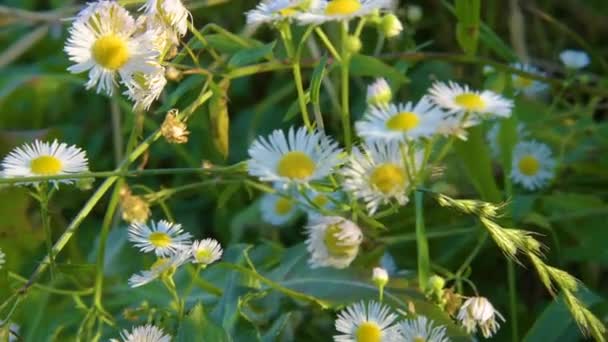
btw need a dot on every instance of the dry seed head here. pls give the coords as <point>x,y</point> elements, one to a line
<point>134,208</point>
<point>173,129</point>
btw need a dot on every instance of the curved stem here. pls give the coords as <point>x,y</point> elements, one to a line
<point>344,67</point>
<point>43,195</point>
<point>424,260</point>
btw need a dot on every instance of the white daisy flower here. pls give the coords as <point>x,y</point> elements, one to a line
<point>162,267</point>
<point>456,125</point>
<point>206,251</point>
<point>278,210</point>
<point>362,322</point>
<point>45,159</point>
<point>527,86</point>
<point>172,13</point>
<point>533,165</point>
<point>379,93</point>
<point>339,10</point>
<point>103,41</point>
<point>574,59</point>
<point>332,241</point>
<point>269,11</point>
<point>492,137</point>
<point>458,99</point>
<point>420,329</point>
<point>144,333</point>
<point>316,200</point>
<point>2,259</point>
<point>146,88</point>
<point>479,312</point>
<point>164,238</point>
<point>298,157</point>
<point>376,173</point>
<point>400,122</point>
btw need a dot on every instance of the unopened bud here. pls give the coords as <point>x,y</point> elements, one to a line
<point>173,74</point>
<point>437,282</point>
<point>380,276</point>
<point>374,17</point>
<point>173,129</point>
<point>379,93</point>
<point>353,44</point>
<point>391,25</point>
<point>414,13</point>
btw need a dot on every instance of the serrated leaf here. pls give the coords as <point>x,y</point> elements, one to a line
<point>251,55</point>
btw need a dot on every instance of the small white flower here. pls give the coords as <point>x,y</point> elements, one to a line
<point>162,267</point>
<point>298,157</point>
<point>103,40</point>
<point>339,10</point>
<point>206,251</point>
<point>164,238</point>
<point>376,173</point>
<point>332,241</point>
<point>379,93</point>
<point>317,200</point>
<point>533,165</point>
<point>172,13</point>
<point>144,333</point>
<point>146,88</point>
<point>379,276</point>
<point>269,11</point>
<point>361,322</point>
<point>574,59</point>
<point>459,99</point>
<point>479,312</point>
<point>278,209</point>
<point>528,86</point>
<point>45,159</point>
<point>456,125</point>
<point>420,329</point>
<point>2,259</point>
<point>492,137</point>
<point>400,122</point>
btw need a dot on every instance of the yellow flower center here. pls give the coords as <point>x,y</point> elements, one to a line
<point>470,101</point>
<point>160,239</point>
<point>288,12</point>
<point>111,52</point>
<point>342,7</point>
<point>529,165</point>
<point>419,339</point>
<point>403,121</point>
<point>203,254</point>
<point>160,262</point>
<point>320,200</point>
<point>296,165</point>
<point>522,82</point>
<point>334,244</point>
<point>387,177</point>
<point>283,206</point>
<point>46,165</point>
<point>369,332</point>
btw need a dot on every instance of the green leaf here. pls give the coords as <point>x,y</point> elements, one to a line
<point>251,55</point>
<point>277,327</point>
<point>219,118</point>
<point>467,30</point>
<point>317,77</point>
<point>224,44</point>
<point>361,65</point>
<point>196,327</point>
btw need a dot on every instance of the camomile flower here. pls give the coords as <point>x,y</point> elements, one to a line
<point>376,174</point>
<point>339,10</point>
<point>365,322</point>
<point>269,11</point>
<point>456,126</point>
<point>379,93</point>
<point>2,259</point>
<point>206,251</point>
<point>144,333</point>
<point>400,122</point>
<point>528,86</point>
<point>45,159</point>
<point>458,99</point>
<point>278,210</point>
<point>161,268</point>
<point>146,88</point>
<point>104,41</point>
<point>332,241</point>
<point>574,59</point>
<point>478,312</point>
<point>164,238</point>
<point>317,201</point>
<point>492,137</point>
<point>171,13</point>
<point>533,165</point>
<point>420,329</point>
<point>295,157</point>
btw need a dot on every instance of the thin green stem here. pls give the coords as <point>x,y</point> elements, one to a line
<point>50,289</point>
<point>480,242</point>
<point>424,260</point>
<point>330,47</point>
<point>512,300</point>
<point>170,285</point>
<point>43,197</point>
<point>297,76</point>
<point>344,68</point>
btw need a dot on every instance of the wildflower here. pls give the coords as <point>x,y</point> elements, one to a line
<point>493,133</point>
<point>171,13</point>
<point>380,278</point>
<point>364,322</point>
<point>376,173</point>
<point>391,25</point>
<point>278,209</point>
<point>206,252</point>
<point>459,99</point>
<point>144,333</point>
<point>164,238</point>
<point>332,241</point>
<point>479,312</point>
<point>455,126</point>
<point>134,208</point>
<point>340,10</point>
<point>400,122</point>
<point>146,88</point>
<point>45,159</point>
<point>574,59</point>
<point>174,129</point>
<point>533,165</point>
<point>316,201</point>
<point>269,11</point>
<point>2,259</point>
<point>418,330</point>
<point>379,93</point>
<point>528,86</point>
<point>163,267</point>
<point>298,157</point>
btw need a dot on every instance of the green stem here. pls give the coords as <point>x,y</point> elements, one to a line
<point>50,289</point>
<point>330,47</point>
<point>170,285</point>
<point>297,76</point>
<point>344,67</point>
<point>482,240</point>
<point>45,217</point>
<point>424,260</point>
<point>512,300</point>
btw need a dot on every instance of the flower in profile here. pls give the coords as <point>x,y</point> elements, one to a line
<point>146,88</point>
<point>163,267</point>
<point>391,26</point>
<point>365,322</point>
<point>380,276</point>
<point>2,259</point>
<point>493,134</point>
<point>533,165</point>
<point>574,59</point>
<point>174,129</point>
<point>316,202</point>
<point>206,252</point>
<point>458,99</point>
<point>528,86</point>
<point>104,41</point>
<point>420,329</point>
<point>377,174</point>
<point>45,159</point>
<point>269,11</point>
<point>379,93</point>
<point>332,241</point>
<point>163,238</point>
<point>478,312</point>
<point>171,14</point>
<point>298,157</point>
<point>400,122</point>
<point>456,126</point>
<point>144,333</point>
<point>340,10</point>
<point>278,209</point>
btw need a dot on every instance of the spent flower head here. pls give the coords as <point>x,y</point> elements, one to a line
<point>478,312</point>
<point>173,129</point>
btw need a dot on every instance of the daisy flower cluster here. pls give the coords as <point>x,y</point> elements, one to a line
<point>114,47</point>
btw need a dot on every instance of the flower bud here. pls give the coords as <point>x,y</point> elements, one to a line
<point>414,13</point>
<point>173,74</point>
<point>391,25</point>
<point>353,44</point>
<point>437,283</point>
<point>379,93</point>
<point>173,129</point>
<point>380,276</point>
